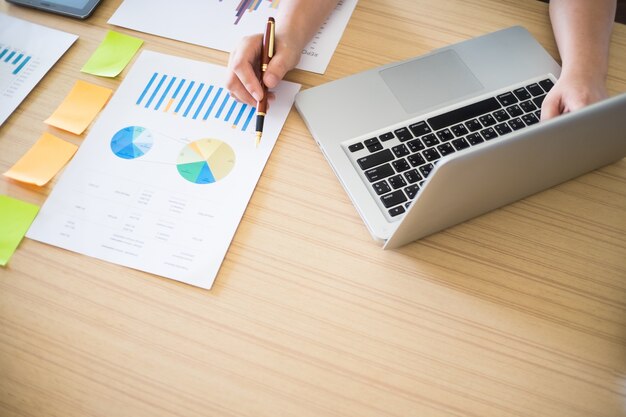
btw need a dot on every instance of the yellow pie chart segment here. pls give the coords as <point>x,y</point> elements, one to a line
<point>205,161</point>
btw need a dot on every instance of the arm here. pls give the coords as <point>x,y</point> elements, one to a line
<point>582,29</point>
<point>296,24</point>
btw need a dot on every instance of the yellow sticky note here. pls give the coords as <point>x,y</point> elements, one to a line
<point>42,162</point>
<point>80,107</point>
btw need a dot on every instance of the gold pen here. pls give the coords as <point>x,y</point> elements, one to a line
<point>267,54</point>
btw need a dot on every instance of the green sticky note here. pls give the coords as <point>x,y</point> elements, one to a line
<point>15,219</point>
<point>113,54</point>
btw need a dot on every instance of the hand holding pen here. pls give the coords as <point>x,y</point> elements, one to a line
<point>266,55</point>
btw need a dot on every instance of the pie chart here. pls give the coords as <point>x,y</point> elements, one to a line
<point>132,142</point>
<point>205,161</point>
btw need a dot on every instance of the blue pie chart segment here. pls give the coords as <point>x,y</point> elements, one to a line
<point>132,142</point>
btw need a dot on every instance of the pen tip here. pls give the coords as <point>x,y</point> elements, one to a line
<point>258,139</point>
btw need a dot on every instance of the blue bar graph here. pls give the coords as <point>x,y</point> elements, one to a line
<point>13,59</point>
<point>193,100</point>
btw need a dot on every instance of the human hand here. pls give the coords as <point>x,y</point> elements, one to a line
<point>244,68</point>
<point>571,93</point>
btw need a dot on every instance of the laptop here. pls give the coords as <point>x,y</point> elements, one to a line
<point>427,143</point>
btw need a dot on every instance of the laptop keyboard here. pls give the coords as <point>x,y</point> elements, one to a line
<point>395,164</point>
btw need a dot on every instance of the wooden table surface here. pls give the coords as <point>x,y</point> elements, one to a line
<point>520,312</point>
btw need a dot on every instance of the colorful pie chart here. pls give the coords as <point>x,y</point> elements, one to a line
<point>205,161</point>
<point>132,142</point>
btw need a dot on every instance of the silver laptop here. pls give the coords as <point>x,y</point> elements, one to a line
<point>430,142</point>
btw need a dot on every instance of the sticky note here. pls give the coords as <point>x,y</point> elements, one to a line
<point>113,54</point>
<point>80,107</point>
<point>43,161</point>
<point>15,218</point>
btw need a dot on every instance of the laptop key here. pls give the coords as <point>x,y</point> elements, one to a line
<point>514,110</point>
<point>396,211</point>
<point>530,119</point>
<point>412,176</point>
<point>397,182</point>
<point>487,120</point>
<point>430,140</point>
<point>374,159</point>
<point>386,136</point>
<point>400,150</point>
<point>502,129</point>
<point>403,134</point>
<point>534,89</point>
<point>416,159</point>
<point>445,135</point>
<point>473,125</point>
<point>393,198</point>
<point>461,114</point>
<point>419,129</point>
<point>431,154</point>
<point>370,142</point>
<point>516,124</point>
<point>539,100</point>
<point>426,169</point>
<point>373,144</point>
<point>460,143</point>
<point>521,93</point>
<point>379,173</point>
<point>459,130</point>
<point>401,165</point>
<point>381,187</point>
<point>356,147</point>
<point>528,106</point>
<point>489,133</point>
<point>474,138</point>
<point>411,191</point>
<point>546,84</point>
<point>445,148</point>
<point>507,99</point>
<point>538,114</point>
<point>416,145</point>
<point>501,115</point>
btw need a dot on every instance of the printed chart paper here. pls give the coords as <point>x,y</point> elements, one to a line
<point>220,24</point>
<point>163,178</point>
<point>27,52</point>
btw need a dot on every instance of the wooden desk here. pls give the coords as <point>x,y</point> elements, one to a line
<point>520,312</point>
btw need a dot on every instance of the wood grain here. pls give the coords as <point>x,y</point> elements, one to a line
<point>520,312</point>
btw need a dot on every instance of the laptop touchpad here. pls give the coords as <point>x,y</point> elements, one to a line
<point>429,81</point>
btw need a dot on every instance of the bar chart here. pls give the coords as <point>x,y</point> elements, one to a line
<point>13,60</point>
<point>194,100</point>
<point>252,6</point>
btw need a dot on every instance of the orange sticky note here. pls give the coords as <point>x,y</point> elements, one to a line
<point>80,107</point>
<point>42,162</point>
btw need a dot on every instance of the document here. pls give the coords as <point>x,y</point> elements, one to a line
<point>27,52</point>
<point>220,24</point>
<point>162,180</point>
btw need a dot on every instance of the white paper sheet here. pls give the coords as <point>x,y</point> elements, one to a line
<point>27,52</point>
<point>215,24</point>
<point>162,180</point>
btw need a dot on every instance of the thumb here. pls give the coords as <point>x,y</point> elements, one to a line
<point>551,106</point>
